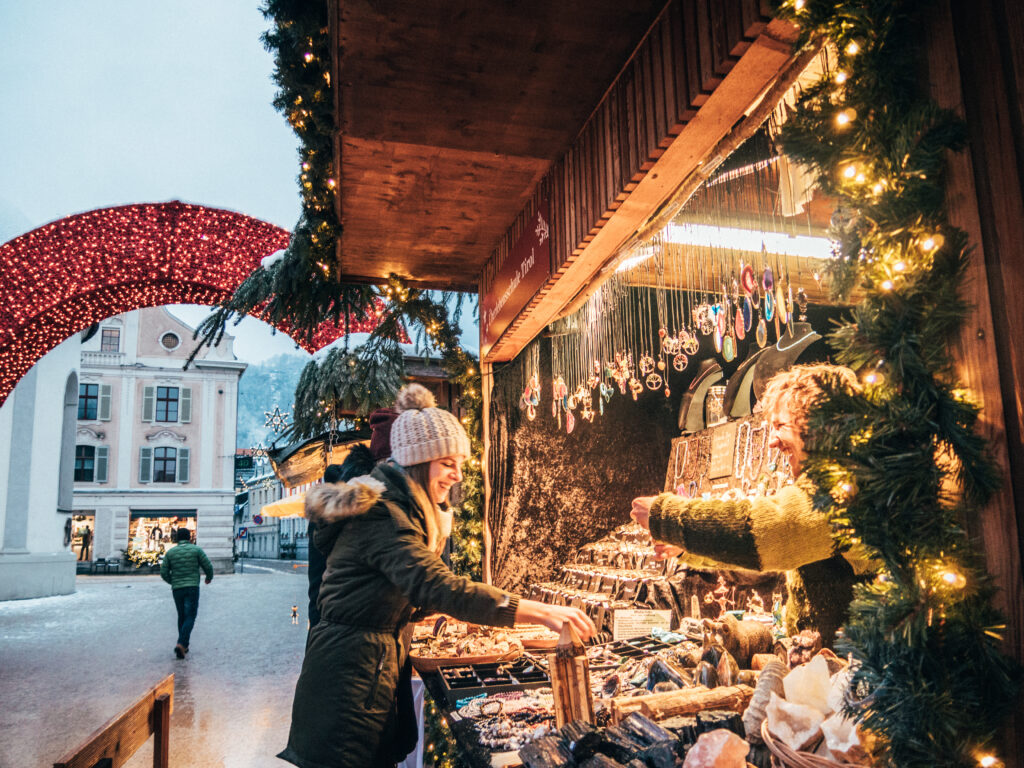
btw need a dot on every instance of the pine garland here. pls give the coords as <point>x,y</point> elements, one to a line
<point>901,468</point>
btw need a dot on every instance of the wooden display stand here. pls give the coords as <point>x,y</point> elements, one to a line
<point>570,679</point>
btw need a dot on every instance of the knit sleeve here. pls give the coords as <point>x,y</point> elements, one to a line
<point>427,582</point>
<point>768,533</point>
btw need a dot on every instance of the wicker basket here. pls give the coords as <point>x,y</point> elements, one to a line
<point>784,757</point>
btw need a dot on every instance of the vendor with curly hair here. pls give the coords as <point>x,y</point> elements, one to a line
<point>772,533</point>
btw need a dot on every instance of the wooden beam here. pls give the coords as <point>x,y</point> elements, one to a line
<point>120,737</point>
<point>768,60</point>
<point>984,199</point>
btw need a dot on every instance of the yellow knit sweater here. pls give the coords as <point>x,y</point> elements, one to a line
<point>766,533</point>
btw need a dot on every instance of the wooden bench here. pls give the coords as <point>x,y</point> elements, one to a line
<point>118,739</point>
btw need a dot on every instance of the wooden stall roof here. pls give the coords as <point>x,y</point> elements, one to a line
<point>448,114</point>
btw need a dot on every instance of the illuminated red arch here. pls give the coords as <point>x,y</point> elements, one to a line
<point>71,273</point>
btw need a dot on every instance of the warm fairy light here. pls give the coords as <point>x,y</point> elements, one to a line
<point>846,488</point>
<point>853,48</point>
<point>332,183</point>
<point>933,242</point>
<point>860,178</point>
<point>887,285</point>
<point>840,77</point>
<point>850,171</point>
<point>988,761</point>
<point>878,188</point>
<point>954,579</point>
<point>799,4</point>
<point>305,166</point>
<point>846,117</point>
<point>307,56</point>
<point>899,266</point>
<point>871,378</point>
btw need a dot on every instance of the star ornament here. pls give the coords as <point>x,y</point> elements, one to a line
<point>276,420</point>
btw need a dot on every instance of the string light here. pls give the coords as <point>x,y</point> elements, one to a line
<point>850,171</point>
<point>853,48</point>
<point>840,77</point>
<point>846,116</point>
<point>887,285</point>
<point>71,273</point>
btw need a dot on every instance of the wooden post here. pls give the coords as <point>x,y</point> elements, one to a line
<point>570,679</point>
<point>162,731</point>
<point>968,46</point>
<point>486,382</point>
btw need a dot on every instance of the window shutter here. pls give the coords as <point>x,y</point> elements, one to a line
<point>185,405</point>
<point>104,402</point>
<point>183,461</point>
<point>100,475</point>
<point>148,403</point>
<point>145,465</point>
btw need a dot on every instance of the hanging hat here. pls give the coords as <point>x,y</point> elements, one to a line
<point>423,432</point>
<point>380,435</point>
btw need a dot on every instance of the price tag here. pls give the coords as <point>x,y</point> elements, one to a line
<point>723,450</point>
<point>638,622</point>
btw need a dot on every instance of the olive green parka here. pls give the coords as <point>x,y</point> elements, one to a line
<point>379,570</point>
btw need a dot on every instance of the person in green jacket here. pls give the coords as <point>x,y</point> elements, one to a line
<point>180,569</point>
<point>771,533</point>
<point>385,533</point>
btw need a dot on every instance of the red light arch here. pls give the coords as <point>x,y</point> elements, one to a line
<point>66,275</point>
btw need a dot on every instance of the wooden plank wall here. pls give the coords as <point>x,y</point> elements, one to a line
<point>689,49</point>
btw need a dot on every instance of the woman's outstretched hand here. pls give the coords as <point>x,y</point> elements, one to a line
<point>554,616</point>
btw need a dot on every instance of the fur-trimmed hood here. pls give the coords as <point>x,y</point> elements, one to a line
<point>334,502</point>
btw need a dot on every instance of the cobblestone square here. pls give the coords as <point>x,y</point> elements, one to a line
<point>69,663</point>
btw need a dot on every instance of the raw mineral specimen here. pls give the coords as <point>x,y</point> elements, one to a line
<point>842,739</point>
<point>645,730</point>
<point>809,684</point>
<point>717,749</point>
<point>546,752</point>
<point>662,670</point>
<point>582,739</point>
<point>683,726</point>
<point>600,761</point>
<point>714,719</point>
<point>795,725</point>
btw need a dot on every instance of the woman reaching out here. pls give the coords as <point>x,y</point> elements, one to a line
<point>384,533</point>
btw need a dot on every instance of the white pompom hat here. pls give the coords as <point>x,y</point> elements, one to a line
<point>423,432</point>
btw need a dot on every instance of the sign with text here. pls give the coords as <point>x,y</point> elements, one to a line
<point>520,277</point>
<point>638,622</point>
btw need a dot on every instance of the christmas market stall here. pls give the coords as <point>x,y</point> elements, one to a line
<point>711,198</point>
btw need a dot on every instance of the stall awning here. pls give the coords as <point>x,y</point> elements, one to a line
<point>292,506</point>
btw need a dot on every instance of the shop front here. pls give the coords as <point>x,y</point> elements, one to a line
<point>152,532</point>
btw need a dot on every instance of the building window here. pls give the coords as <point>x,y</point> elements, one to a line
<point>85,462</point>
<point>166,403</point>
<point>88,399</point>
<point>110,340</point>
<point>165,462</point>
<point>170,341</point>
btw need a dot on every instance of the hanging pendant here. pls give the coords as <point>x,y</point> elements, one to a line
<point>728,349</point>
<point>801,302</point>
<point>721,319</point>
<point>679,362</point>
<point>748,314</point>
<point>747,279</point>
<point>691,345</point>
<point>768,280</point>
<point>740,325</point>
<point>653,381</point>
<point>718,342</point>
<point>570,422</point>
<point>635,388</point>
<point>646,365</point>
<point>780,305</point>
<point>769,306</point>
<point>762,333</point>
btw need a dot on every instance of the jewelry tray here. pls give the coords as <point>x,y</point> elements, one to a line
<point>473,679</point>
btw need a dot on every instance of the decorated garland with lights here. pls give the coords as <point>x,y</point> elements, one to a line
<point>934,680</point>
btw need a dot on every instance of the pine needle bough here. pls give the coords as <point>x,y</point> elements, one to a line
<point>900,466</point>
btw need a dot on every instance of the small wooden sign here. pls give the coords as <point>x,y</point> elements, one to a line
<point>723,450</point>
<point>637,622</point>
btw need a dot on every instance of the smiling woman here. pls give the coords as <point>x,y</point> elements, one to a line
<point>383,535</point>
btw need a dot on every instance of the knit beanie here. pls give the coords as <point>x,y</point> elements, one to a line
<point>380,436</point>
<point>423,432</point>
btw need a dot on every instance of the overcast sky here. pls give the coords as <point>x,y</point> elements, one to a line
<point>108,102</point>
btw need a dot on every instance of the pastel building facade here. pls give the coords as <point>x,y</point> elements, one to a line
<point>37,453</point>
<point>154,443</point>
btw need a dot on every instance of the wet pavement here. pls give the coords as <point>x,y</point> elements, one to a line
<point>69,663</point>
